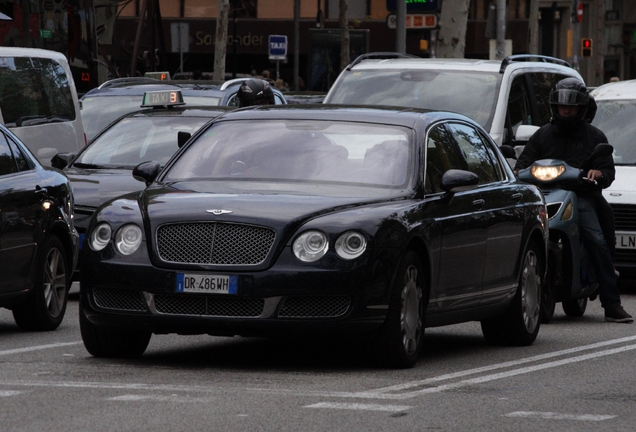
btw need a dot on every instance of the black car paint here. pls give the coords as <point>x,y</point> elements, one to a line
<point>25,225</point>
<point>450,235</point>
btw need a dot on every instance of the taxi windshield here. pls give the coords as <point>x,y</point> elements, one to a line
<point>617,119</point>
<point>298,151</point>
<point>138,139</point>
<point>473,94</point>
<point>99,112</point>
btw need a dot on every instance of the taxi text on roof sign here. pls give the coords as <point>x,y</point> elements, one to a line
<point>162,98</point>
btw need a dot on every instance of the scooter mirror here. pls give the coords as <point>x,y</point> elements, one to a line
<point>602,150</point>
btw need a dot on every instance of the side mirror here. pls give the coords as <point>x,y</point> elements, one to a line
<point>62,160</point>
<point>524,132</point>
<point>455,180</point>
<point>146,172</point>
<point>602,150</point>
<point>508,152</point>
<point>182,138</point>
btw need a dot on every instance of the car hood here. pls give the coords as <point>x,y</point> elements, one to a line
<point>93,187</point>
<point>623,189</point>
<point>284,212</point>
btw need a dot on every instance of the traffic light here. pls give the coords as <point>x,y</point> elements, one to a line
<point>586,47</point>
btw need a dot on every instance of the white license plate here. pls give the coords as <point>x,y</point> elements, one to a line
<point>206,283</point>
<point>625,240</point>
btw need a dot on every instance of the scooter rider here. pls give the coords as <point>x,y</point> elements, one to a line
<point>570,138</point>
<point>255,92</point>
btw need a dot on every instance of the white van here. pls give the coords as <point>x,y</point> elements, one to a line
<point>38,101</point>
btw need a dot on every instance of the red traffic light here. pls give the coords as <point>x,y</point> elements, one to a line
<point>586,47</point>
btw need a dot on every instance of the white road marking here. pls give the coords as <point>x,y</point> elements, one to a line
<point>355,406</point>
<point>7,393</point>
<point>159,398</point>
<point>558,416</point>
<point>38,347</point>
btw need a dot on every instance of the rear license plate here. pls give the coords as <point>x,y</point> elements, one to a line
<point>625,240</point>
<point>206,283</point>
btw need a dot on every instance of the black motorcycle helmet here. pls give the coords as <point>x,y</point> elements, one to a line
<point>571,92</point>
<point>255,92</point>
<point>591,109</point>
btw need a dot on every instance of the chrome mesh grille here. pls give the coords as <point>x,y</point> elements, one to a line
<point>314,306</point>
<point>209,306</point>
<point>119,299</point>
<point>214,243</point>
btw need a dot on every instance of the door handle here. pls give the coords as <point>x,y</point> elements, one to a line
<point>479,203</point>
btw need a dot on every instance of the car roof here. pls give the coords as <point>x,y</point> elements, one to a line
<point>181,111</point>
<point>462,64</point>
<point>615,90</point>
<point>399,116</point>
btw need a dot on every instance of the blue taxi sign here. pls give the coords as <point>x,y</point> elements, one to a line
<point>162,98</point>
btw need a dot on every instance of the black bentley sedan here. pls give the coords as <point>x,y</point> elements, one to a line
<point>38,240</point>
<point>311,219</point>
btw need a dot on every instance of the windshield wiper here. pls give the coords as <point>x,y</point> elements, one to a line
<point>87,165</point>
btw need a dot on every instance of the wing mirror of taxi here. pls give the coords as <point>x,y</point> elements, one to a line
<point>508,151</point>
<point>147,172</point>
<point>524,132</point>
<point>182,138</point>
<point>455,180</point>
<point>62,160</point>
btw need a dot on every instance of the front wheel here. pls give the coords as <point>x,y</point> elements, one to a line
<point>520,324</point>
<point>46,305</point>
<point>403,332</point>
<point>576,307</point>
<point>112,343</point>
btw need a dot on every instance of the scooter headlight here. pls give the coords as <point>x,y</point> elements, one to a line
<point>547,173</point>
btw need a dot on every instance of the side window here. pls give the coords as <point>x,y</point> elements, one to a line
<point>442,154</point>
<point>476,153</point>
<point>519,108</point>
<point>278,99</point>
<point>7,163</point>
<point>20,159</point>
<point>543,83</point>
<point>33,90</point>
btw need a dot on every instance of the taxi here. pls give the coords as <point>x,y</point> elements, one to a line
<point>102,170</point>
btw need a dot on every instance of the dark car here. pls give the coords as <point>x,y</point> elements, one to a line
<point>306,219</point>
<point>38,240</point>
<point>120,96</point>
<point>102,170</point>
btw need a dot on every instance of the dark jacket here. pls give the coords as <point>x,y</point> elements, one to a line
<point>572,146</point>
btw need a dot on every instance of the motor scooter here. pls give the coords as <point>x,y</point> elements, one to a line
<point>571,280</point>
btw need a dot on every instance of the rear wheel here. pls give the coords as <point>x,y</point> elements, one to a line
<point>576,307</point>
<point>403,332</point>
<point>520,325</point>
<point>45,308</point>
<point>112,343</point>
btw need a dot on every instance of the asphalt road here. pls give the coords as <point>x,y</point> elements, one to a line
<point>578,376</point>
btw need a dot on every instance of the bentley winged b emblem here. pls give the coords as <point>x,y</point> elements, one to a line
<point>217,212</point>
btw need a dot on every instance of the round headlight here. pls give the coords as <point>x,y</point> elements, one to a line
<point>100,236</point>
<point>311,246</point>
<point>128,239</point>
<point>350,245</point>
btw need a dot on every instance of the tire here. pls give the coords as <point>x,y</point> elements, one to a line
<point>575,308</point>
<point>402,334</point>
<point>46,305</point>
<point>520,325</point>
<point>112,343</point>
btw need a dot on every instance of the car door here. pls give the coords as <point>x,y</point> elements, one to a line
<point>21,195</point>
<point>458,274</point>
<point>502,210</point>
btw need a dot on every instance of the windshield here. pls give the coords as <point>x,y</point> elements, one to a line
<point>201,100</point>
<point>298,151</point>
<point>138,139</point>
<point>473,94</point>
<point>99,112</point>
<point>617,119</point>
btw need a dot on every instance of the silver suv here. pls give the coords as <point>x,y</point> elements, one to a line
<point>499,95</point>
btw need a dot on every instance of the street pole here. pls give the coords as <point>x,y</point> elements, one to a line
<point>501,28</point>
<point>400,27</point>
<point>296,42</point>
<point>577,36</point>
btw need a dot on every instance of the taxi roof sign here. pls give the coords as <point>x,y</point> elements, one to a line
<point>162,76</point>
<point>162,98</point>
